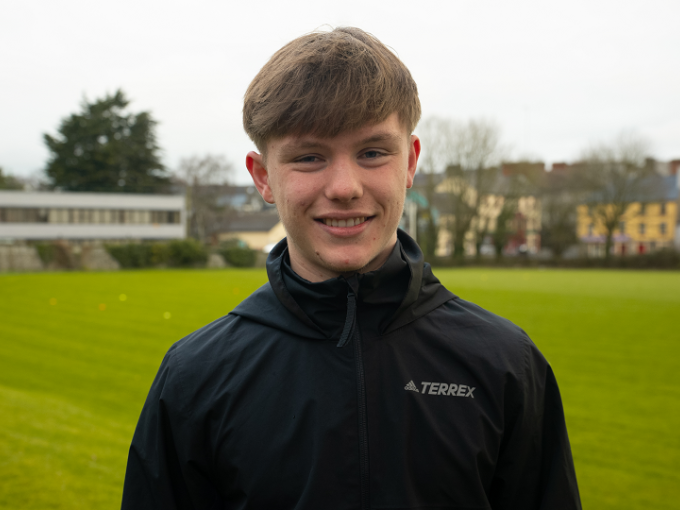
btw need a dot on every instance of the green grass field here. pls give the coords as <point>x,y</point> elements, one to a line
<point>78,352</point>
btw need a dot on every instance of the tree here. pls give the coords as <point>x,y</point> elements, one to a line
<point>615,172</point>
<point>505,227</point>
<point>8,181</point>
<point>474,152</point>
<point>436,134</point>
<point>205,179</point>
<point>106,148</point>
<point>561,192</point>
<point>501,217</point>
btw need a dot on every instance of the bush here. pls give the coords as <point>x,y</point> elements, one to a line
<point>180,253</point>
<point>236,253</point>
<point>186,253</point>
<point>55,254</point>
<point>46,252</point>
<point>132,254</point>
<point>160,254</point>
<point>661,259</point>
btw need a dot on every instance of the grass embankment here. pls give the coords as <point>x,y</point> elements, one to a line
<point>78,352</point>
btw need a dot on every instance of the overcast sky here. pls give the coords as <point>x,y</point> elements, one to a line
<point>555,75</point>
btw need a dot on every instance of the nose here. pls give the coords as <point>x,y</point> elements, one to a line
<point>343,181</point>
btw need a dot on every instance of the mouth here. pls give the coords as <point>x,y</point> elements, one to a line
<point>344,223</point>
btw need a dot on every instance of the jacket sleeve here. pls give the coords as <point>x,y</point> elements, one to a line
<point>162,470</point>
<point>535,469</point>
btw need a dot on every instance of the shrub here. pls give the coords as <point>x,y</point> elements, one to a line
<point>132,254</point>
<point>160,254</point>
<point>46,252</point>
<point>236,253</point>
<point>55,254</point>
<point>186,253</point>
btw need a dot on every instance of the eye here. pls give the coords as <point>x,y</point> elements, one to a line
<point>307,159</point>
<point>372,154</point>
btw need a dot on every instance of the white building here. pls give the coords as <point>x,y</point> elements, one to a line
<point>90,216</point>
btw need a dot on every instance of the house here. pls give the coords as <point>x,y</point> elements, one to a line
<point>648,224</point>
<point>260,230</point>
<point>508,196</point>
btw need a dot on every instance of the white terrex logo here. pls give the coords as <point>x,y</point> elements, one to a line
<point>440,388</point>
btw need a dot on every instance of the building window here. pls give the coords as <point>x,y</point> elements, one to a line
<point>590,229</point>
<point>622,227</point>
<point>165,217</point>
<point>86,216</point>
<point>662,209</point>
<point>642,228</point>
<point>643,208</point>
<point>23,215</point>
<point>662,228</point>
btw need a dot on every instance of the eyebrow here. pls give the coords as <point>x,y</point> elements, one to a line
<point>303,144</point>
<point>381,137</point>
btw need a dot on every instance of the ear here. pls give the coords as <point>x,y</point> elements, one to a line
<point>413,155</point>
<point>255,165</point>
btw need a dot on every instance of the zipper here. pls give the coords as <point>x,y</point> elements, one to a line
<point>363,426</point>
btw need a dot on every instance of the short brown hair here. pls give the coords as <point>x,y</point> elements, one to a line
<point>328,83</point>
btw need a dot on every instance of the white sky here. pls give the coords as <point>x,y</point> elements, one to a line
<point>555,75</point>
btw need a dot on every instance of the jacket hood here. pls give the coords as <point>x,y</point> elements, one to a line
<point>399,292</point>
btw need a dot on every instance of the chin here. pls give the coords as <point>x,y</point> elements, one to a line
<point>349,263</point>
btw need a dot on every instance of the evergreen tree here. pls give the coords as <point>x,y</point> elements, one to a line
<point>8,181</point>
<point>105,148</point>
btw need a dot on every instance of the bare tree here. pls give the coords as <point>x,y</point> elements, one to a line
<point>505,227</point>
<point>615,172</point>
<point>473,152</point>
<point>522,179</point>
<point>561,192</point>
<point>205,179</point>
<point>436,134</point>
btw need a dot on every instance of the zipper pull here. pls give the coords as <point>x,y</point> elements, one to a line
<point>350,319</point>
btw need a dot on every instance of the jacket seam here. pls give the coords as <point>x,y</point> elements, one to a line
<point>415,319</point>
<point>526,342</point>
<point>180,382</point>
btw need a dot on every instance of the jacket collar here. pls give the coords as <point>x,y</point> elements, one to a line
<point>390,297</point>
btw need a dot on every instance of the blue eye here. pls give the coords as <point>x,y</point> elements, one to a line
<point>372,154</point>
<point>308,159</point>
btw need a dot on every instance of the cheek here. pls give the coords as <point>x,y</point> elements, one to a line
<point>294,195</point>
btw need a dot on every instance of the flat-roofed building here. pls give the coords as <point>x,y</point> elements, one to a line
<point>90,216</point>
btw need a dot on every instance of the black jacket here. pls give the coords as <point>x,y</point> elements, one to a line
<point>379,391</point>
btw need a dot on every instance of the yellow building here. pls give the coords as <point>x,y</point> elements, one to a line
<point>260,230</point>
<point>646,226</point>
<point>527,218</point>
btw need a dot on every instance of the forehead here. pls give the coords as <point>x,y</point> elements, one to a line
<point>390,131</point>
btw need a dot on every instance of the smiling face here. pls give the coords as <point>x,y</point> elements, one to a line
<point>341,198</point>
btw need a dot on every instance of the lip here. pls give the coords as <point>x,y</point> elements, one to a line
<point>343,215</point>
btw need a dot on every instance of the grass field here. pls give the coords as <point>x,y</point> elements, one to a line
<point>78,352</point>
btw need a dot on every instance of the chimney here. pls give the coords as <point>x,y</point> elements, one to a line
<point>673,167</point>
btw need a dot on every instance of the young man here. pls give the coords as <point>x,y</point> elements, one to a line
<point>353,379</point>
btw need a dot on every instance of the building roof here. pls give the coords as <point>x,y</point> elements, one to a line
<point>260,221</point>
<point>245,198</point>
<point>652,188</point>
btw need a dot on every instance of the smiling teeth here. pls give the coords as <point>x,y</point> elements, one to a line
<point>345,223</point>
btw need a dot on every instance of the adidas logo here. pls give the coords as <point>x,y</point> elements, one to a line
<point>446,389</point>
<point>411,387</point>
